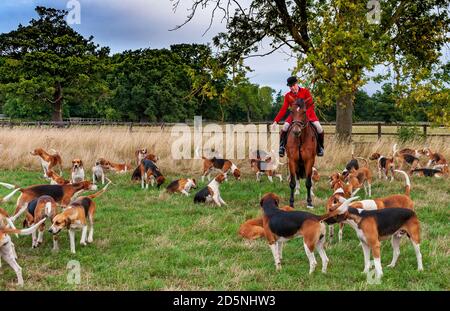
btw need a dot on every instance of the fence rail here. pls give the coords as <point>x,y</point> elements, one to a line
<point>6,123</point>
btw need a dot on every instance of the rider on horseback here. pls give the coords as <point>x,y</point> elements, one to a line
<point>290,97</point>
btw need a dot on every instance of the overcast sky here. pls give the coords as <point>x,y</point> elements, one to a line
<point>133,24</point>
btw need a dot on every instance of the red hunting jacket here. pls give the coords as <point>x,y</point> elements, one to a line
<point>290,97</point>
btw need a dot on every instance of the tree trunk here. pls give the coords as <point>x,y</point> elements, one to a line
<point>57,103</point>
<point>344,113</point>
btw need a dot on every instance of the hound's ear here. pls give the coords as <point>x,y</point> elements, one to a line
<point>261,201</point>
<point>277,199</point>
<point>81,162</point>
<point>67,222</point>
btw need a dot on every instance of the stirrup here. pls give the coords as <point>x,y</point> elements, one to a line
<point>281,151</point>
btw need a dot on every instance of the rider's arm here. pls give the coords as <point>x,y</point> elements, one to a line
<point>282,110</point>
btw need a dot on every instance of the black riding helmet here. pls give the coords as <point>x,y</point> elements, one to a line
<point>291,81</point>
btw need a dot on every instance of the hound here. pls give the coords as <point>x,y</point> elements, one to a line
<point>41,208</point>
<point>62,194</point>
<point>55,179</point>
<point>223,165</point>
<point>336,181</point>
<point>414,152</point>
<point>76,216</point>
<point>182,185</point>
<point>48,161</point>
<point>408,156</point>
<point>149,172</point>
<point>253,228</point>
<point>118,167</point>
<point>105,164</point>
<point>314,179</point>
<point>260,155</point>
<point>436,159</point>
<point>7,249</point>
<point>98,173</point>
<point>376,225</point>
<point>211,192</point>
<point>140,155</point>
<point>396,200</point>
<point>359,178</point>
<point>428,172</point>
<point>77,171</point>
<point>384,165</point>
<point>353,163</point>
<point>280,226</point>
<point>267,167</point>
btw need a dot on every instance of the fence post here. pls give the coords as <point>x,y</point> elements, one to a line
<point>379,130</point>
<point>130,128</point>
<point>425,130</point>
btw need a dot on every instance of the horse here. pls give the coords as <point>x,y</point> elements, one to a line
<point>301,149</point>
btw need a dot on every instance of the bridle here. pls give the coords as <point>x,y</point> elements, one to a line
<point>296,123</point>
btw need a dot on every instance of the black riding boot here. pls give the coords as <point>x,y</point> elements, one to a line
<point>320,148</point>
<point>283,140</point>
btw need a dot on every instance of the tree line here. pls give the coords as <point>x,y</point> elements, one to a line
<point>49,71</point>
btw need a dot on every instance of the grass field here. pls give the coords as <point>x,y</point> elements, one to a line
<point>147,241</point>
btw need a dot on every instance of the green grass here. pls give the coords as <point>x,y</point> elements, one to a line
<point>144,242</point>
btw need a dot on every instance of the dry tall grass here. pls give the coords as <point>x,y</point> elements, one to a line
<point>118,144</point>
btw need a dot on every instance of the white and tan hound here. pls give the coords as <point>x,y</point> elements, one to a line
<point>77,216</point>
<point>182,185</point>
<point>77,171</point>
<point>48,161</point>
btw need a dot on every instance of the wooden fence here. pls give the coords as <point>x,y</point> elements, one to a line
<point>157,127</point>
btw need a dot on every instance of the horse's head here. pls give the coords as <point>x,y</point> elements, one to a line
<point>298,116</point>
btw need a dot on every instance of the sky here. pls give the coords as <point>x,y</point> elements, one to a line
<point>133,24</point>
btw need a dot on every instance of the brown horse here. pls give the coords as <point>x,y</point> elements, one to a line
<point>301,149</point>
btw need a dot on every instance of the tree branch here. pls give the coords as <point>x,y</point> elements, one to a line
<point>287,20</point>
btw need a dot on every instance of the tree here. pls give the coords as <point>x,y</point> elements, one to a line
<point>336,42</point>
<point>47,63</point>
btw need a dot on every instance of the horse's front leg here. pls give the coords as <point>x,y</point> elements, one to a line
<point>308,184</point>
<point>292,182</point>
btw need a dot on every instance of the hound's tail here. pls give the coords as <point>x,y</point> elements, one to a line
<point>27,231</point>
<point>101,191</point>
<point>394,150</point>
<point>407,181</point>
<point>9,186</point>
<point>9,196</point>
<point>353,151</point>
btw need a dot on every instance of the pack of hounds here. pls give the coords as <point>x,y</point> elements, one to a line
<point>60,203</point>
